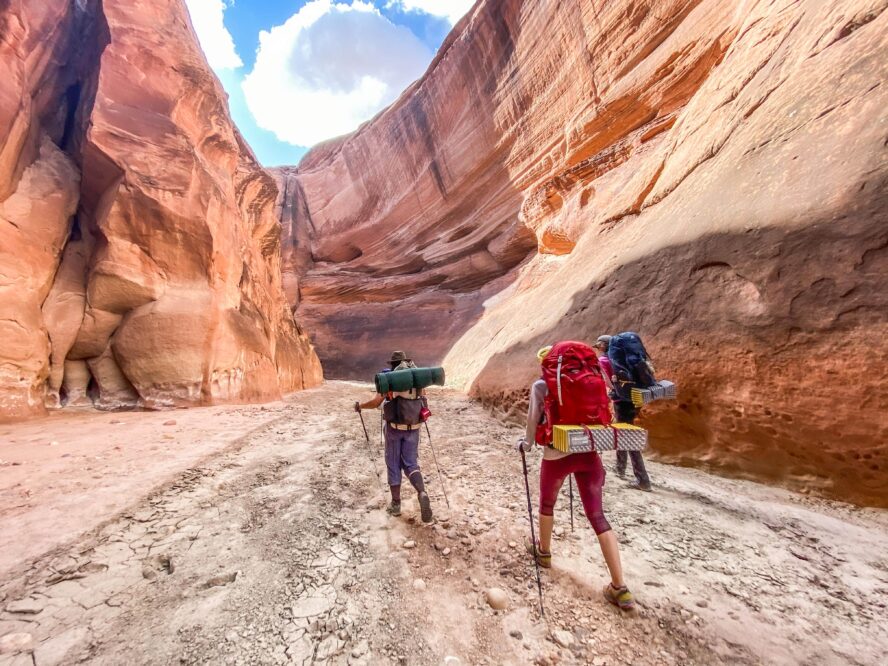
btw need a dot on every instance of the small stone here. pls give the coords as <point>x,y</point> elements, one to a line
<point>360,649</point>
<point>419,584</point>
<point>171,422</point>
<point>169,437</point>
<point>512,544</point>
<point>559,531</point>
<point>564,638</point>
<point>517,635</point>
<point>497,598</point>
<point>599,661</point>
<point>409,544</point>
<point>450,660</point>
<point>53,443</point>
<point>25,607</point>
<point>219,581</point>
<point>17,642</point>
<point>445,552</point>
<point>702,603</point>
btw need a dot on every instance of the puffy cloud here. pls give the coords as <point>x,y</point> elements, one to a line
<point>452,10</point>
<point>217,43</point>
<point>328,68</point>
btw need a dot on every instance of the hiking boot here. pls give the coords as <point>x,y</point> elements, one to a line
<point>620,597</point>
<point>425,507</point>
<point>646,487</point>
<point>394,509</point>
<point>544,559</point>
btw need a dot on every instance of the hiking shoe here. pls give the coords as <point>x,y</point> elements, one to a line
<point>394,509</point>
<point>646,487</point>
<point>425,507</point>
<point>620,597</point>
<point>543,559</point>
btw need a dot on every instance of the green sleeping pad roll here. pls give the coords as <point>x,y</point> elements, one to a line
<point>410,378</point>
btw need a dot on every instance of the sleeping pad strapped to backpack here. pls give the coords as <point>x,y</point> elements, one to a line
<point>632,365</point>
<point>577,392</point>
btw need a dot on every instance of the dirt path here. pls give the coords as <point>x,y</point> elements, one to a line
<point>275,549</point>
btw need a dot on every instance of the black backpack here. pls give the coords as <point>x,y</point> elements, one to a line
<point>631,363</point>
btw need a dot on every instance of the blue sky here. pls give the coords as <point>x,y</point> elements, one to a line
<point>298,72</point>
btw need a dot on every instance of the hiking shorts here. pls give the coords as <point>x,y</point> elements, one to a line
<point>589,473</point>
<point>401,453</point>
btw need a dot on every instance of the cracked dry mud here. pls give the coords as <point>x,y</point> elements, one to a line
<point>277,550</point>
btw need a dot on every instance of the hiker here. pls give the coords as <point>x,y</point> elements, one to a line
<point>628,362</point>
<point>586,467</point>
<point>402,414</point>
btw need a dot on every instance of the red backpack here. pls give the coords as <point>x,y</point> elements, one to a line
<point>577,392</point>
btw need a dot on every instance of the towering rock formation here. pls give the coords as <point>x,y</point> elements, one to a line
<point>711,173</point>
<point>139,250</point>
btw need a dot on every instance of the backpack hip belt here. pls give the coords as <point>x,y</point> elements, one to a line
<point>401,426</point>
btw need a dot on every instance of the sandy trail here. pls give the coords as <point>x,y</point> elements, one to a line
<point>258,536</point>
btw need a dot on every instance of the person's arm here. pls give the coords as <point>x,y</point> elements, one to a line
<point>370,404</point>
<point>534,410</point>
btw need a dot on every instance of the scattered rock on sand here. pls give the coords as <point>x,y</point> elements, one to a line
<point>564,638</point>
<point>224,579</point>
<point>16,642</point>
<point>497,598</point>
<point>517,635</point>
<point>24,607</point>
<point>445,552</point>
<point>171,422</point>
<point>409,544</point>
<point>419,584</point>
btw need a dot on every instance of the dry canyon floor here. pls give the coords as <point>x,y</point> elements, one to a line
<point>257,535</point>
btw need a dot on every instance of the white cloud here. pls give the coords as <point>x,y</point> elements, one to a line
<point>330,67</point>
<point>217,43</point>
<point>452,10</point>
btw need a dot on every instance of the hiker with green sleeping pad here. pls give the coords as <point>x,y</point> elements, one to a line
<point>404,411</point>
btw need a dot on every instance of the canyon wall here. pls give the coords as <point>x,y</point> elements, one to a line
<point>710,173</point>
<point>139,248</point>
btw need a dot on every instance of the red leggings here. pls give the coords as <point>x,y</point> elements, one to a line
<point>589,473</point>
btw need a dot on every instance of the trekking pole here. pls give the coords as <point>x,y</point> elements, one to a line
<point>532,533</point>
<point>435,457</point>
<point>369,449</point>
<point>570,488</point>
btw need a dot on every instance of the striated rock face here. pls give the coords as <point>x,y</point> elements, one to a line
<point>139,248</point>
<point>710,173</point>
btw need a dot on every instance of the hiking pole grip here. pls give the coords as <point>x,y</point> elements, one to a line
<point>534,548</point>
<point>435,457</point>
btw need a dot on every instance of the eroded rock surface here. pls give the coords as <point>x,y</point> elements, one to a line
<point>139,248</point>
<point>710,173</point>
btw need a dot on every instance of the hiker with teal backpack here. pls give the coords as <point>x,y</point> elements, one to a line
<point>404,413</point>
<point>572,391</point>
<point>631,368</point>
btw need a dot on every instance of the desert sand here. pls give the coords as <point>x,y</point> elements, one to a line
<point>247,534</point>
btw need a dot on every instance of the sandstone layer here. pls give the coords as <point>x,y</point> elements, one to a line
<point>139,248</point>
<point>710,173</point>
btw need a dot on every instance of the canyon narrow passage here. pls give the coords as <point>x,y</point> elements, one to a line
<point>258,535</point>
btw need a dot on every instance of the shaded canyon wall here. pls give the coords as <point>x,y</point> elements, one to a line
<point>710,173</point>
<point>139,248</point>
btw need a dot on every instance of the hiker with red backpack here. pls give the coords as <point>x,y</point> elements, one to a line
<point>630,367</point>
<point>572,391</point>
<point>404,414</point>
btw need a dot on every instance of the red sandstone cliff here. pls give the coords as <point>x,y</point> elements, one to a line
<point>710,173</point>
<point>139,249</point>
